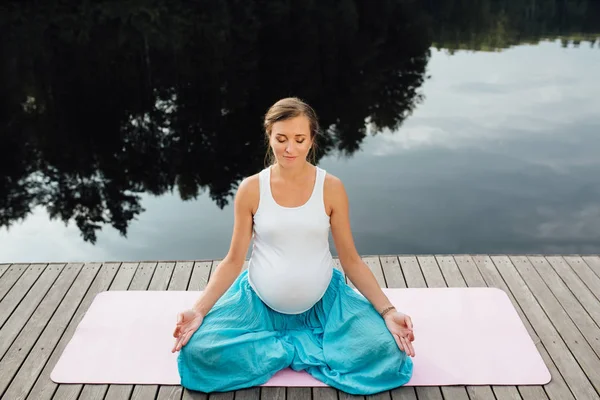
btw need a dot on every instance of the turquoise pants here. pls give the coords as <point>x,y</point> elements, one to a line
<point>341,341</point>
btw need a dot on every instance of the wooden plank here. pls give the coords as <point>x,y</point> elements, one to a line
<point>248,394</point>
<point>469,271</point>
<point>222,396</point>
<point>473,278</point>
<point>3,269</point>
<point>298,393</point>
<point>141,281</point>
<point>498,270</point>
<point>188,395</point>
<point>450,271</point>
<point>180,280</point>
<point>412,272</point>
<point>35,370</point>
<point>585,271</point>
<point>415,279</point>
<point>576,299</point>
<point>160,281</point>
<point>344,396</point>
<point>143,276</point>
<point>574,339</point>
<point>27,306</point>
<point>555,270</point>
<point>431,272</point>
<point>33,327</point>
<point>454,278</point>
<point>565,269</point>
<point>8,279</point>
<point>162,276</point>
<point>181,275</point>
<point>273,393</point>
<point>394,278</point>
<point>200,276</point>
<point>18,291</point>
<point>594,263</point>
<point>392,272</point>
<point>323,393</point>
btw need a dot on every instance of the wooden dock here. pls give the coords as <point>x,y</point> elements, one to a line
<point>557,298</point>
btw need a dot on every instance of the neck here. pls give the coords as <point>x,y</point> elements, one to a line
<point>291,173</point>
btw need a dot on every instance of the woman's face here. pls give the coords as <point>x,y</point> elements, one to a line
<point>290,140</point>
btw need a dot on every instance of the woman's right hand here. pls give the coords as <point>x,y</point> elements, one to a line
<point>187,323</point>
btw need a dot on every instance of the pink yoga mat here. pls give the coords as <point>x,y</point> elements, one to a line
<point>463,336</point>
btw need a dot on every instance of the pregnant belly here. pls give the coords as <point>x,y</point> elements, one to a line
<point>290,293</point>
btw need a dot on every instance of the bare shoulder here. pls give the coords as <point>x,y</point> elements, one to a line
<point>333,183</point>
<point>334,193</point>
<point>248,193</point>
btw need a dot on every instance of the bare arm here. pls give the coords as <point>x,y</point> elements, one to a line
<point>357,271</point>
<point>229,269</point>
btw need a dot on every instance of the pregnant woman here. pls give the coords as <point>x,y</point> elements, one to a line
<point>291,307</point>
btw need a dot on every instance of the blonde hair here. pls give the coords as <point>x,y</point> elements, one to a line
<point>290,107</point>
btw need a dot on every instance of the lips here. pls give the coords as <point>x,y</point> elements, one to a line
<point>289,158</point>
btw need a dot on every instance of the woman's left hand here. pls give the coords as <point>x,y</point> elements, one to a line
<point>401,327</point>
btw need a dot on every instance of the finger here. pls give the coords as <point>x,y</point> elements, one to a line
<point>177,346</point>
<point>409,322</point>
<point>409,348</point>
<point>398,342</point>
<point>404,346</point>
<point>180,342</point>
<point>177,343</point>
<point>179,328</point>
<point>178,325</point>
<point>187,337</point>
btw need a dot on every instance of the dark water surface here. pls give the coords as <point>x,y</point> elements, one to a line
<point>456,126</point>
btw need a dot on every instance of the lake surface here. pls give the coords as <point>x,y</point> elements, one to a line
<point>125,129</point>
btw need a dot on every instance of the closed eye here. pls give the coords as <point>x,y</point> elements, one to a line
<point>283,140</point>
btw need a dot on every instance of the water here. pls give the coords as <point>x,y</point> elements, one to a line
<point>460,127</point>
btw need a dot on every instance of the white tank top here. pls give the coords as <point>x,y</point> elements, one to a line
<point>290,266</point>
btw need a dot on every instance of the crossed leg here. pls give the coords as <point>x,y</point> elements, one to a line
<point>342,342</point>
<point>360,354</point>
<point>236,346</point>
